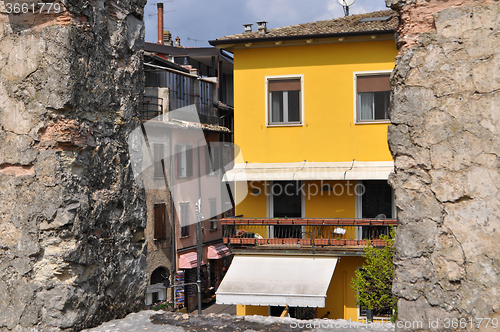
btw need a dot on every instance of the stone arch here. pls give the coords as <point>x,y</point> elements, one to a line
<point>160,275</point>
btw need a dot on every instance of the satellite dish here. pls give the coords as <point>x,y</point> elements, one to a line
<point>346,4</point>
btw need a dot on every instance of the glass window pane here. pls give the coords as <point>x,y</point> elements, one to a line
<point>287,199</point>
<point>293,106</point>
<point>381,104</point>
<point>276,106</point>
<point>365,104</point>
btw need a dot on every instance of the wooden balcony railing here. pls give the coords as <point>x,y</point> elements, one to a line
<point>305,232</point>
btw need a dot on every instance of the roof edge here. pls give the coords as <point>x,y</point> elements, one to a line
<point>299,37</point>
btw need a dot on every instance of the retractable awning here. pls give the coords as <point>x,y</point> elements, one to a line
<point>353,170</point>
<point>217,251</point>
<point>277,281</point>
<point>188,260</point>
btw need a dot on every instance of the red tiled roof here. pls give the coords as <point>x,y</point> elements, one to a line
<point>343,25</point>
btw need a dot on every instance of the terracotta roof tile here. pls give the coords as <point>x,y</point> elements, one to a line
<point>342,25</point>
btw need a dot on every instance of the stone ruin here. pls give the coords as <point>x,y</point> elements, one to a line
<point>71,78</point>
<point>445,140</point>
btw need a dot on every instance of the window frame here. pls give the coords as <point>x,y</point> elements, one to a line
<point>355,95</point>
<point>301,96</point>
<point>213,223</point>
<point>212,159</point>
<point>270,205</point>
<point>358,207</point>
<point>184,208</point>
<point>183,153</point>
<point>158,156</point>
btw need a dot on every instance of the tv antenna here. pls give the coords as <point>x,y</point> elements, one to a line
<point>195,41</point>
<point>346,4</point>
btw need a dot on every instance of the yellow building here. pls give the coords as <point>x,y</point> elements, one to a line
<point>311,118</point>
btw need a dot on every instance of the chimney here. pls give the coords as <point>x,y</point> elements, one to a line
<point>177,42</point>
<point>167,38</point>
<point>160,23</point>
<point>262,26</point>
<point>248,27</point>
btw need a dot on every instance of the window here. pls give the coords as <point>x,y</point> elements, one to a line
<point>376,202</point>
<point>373,97</point>
<point>160,227</point>
<point>212,161</point>
<point>284,101</point>
<point>184,160</point>
<point>184,219</point>
<point>287,203</point>
<point>158,157</point>
<point>213,213</point>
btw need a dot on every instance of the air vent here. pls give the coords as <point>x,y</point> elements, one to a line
<point>375,19</point>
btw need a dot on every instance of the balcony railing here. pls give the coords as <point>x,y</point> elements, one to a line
<point>305,232</point>
<point>186,90</point>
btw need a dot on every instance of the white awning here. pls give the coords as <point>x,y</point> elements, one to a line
<point>277,281</point>
<point>353,170</point>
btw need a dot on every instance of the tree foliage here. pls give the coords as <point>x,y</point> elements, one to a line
<point>373,282</point>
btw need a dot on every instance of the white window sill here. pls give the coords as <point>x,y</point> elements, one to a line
<point>285,125</point>
<point>373,122</point>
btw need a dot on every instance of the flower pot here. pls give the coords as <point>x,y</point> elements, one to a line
<point>320,242</point>
<point>248,241</point>
<point>305,242</point>
<point>262,241</point>
<point>291,241</point>
<point>378,243</point>
<point>336,242</point>
<point>275,241</point>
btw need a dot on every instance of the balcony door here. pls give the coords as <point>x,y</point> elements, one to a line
<point>286,201</point>
<point>377,201</point>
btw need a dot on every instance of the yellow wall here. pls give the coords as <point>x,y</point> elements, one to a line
<point>338,203</point>
<point>340,298</point>
<point>253,206</point>
<point>328,97</point>
<point>249,310</point>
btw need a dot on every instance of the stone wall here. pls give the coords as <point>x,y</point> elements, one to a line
<point>445,141</point>
<point>70,85</point>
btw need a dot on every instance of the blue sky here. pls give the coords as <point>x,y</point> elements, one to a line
<point>198,21</point>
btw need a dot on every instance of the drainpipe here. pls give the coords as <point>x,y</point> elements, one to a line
<point>199,233</point>
<point>172,221</point>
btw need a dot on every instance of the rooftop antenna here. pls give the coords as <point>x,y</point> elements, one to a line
<point>195,41</point>
<point>346,4</point>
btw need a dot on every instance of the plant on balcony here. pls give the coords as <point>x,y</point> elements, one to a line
<point>373,282</point>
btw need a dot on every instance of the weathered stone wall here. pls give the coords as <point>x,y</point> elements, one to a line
<point>445,141</point>
<point>70,86</point>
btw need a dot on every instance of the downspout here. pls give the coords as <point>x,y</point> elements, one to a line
<point>199,232</point>
<point>172,221</point>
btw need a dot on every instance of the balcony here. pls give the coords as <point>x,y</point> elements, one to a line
<point>184,91</point>
<point>320,234</point>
